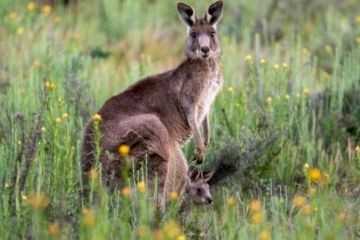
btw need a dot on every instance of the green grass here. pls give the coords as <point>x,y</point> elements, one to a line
<point>287,102</point>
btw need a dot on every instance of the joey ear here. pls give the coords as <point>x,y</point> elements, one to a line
<point>187,13</point>
<point>208,175</point>
<point>188,184</point>
<point>215,12</point>
<point>194,174</point>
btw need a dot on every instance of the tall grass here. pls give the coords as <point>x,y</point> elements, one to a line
<point>287,119</point>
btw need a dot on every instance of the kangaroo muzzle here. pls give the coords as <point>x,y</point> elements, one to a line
<point>204,45</point>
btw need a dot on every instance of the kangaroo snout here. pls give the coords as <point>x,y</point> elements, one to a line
<point>205,51</point>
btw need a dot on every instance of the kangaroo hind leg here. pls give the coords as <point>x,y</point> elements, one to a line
<point>145,134</point>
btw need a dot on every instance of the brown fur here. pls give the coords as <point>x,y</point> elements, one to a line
<point>158,114</point>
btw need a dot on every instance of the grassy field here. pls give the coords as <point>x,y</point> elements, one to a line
<point>287,120</point>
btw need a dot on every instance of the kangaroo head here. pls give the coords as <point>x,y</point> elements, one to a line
<point>202,39</point>
<point>199,192</point>
<point>197,187</point>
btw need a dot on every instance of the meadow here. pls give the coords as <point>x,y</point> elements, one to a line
<point>286,124</point>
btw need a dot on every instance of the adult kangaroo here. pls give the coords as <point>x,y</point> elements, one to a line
<point>155,116</point>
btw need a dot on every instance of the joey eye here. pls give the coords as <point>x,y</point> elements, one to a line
<point>198,191</point>
<point>193,35</point>
<point>213,34</point>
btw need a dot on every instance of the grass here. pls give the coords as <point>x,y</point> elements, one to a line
<point>288,119</point>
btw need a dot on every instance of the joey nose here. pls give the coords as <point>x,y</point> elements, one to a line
<point>205,50</point>
<point>209,200</point>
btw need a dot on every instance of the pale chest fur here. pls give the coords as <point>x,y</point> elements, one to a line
<point>208,95</point>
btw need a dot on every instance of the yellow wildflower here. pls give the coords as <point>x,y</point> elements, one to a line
<point>19,30</point>
<point>306,167</point>
<point>357,19</point>
<point>314,175</point>
<point>276,66</point>
<point>46,10</point>
<point>43,129</point>
<point>126,192</point>
<point>311,191</point>
<point>37,200</point>
<point>93,174</point>
<point>7,185</point>
<point>262,61</point>
<point>358,40</point>
<point>54,229</point>
<point>65,115</point>
<point>141,186</point>
<point>31,6</point>
<point>299,201</point>
<point>269,100</point>
<point>36,64</point>
<point>248,58</point>
<point>324,75</point>
<point>124,150</point>
<point>181,237</point>
<point>230,89</point>
<point>328,49</point>
<point>306,209</point>
<point>255,206</point>
<point>287,97</point>
<point>285,65</point>
<point>174,196</point>
<point>96,118</point>
<point>172,229</point>
<point>24,197</point>
<point>257,218</point>
<point>231,201</point>
<point>306,92</point>
<point>50,86</point>
<point>264,235</point>
<point>357,149</point>
<point>58,120</point>
<point>88,217</point>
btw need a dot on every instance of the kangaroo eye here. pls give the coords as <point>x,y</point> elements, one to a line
<point>193,35</point>
<point>212,34</point>
<point>198,191</point>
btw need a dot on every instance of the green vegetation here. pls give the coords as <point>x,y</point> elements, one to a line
<point>288,119</point>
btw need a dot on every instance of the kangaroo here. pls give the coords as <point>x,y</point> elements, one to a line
<point>158,114</point>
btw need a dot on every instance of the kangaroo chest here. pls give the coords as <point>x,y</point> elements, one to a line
<point>208,95</point>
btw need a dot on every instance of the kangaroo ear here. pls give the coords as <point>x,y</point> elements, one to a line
<point>197,175</point>
<point>187,13</point>
<point>208,175</point>
<point>194,174</point>
<point>215,12</point>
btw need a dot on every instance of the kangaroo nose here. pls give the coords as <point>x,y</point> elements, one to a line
<point>209,200</point>
<point>205,49</point>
